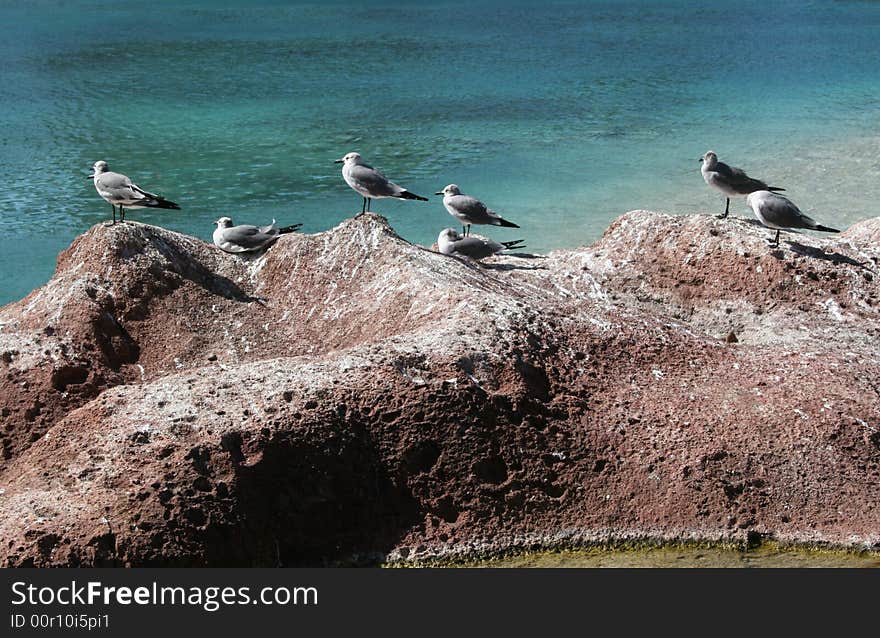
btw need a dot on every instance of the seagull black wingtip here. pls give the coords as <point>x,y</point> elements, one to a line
<point>408,195</point>
<point>163,203</point>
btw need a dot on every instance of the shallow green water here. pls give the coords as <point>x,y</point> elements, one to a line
<point>767,555</point>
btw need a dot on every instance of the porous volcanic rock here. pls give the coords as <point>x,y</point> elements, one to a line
<point>350,396</point>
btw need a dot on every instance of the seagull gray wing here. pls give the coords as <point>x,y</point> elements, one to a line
<point>781,211</point>
<point>737,179</point>
<point>476,248</point>
<point>248,237</point>
<point>117,187</point>
<point>373,181</point>
<point>472,208</point>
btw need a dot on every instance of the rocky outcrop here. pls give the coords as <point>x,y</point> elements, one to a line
<point>350,396</point>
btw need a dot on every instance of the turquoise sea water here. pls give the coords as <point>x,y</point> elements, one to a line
<point>559,115</point>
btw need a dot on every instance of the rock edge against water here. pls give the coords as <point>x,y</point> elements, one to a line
<point>350,396</point>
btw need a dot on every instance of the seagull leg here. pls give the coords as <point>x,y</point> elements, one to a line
<point>121,213</point>
<point>369,201</point>
<point>775,242</point>
<point>113,206</point>
<point>463,231</point>
<point>363,209</point>
<point>726,210</point>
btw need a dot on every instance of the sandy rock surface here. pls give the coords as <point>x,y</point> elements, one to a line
<point>350,396</point>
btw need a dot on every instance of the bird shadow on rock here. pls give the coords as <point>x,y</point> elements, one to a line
<point>818,253</point>
<point>526,255</point>
<point>475,264</point>
<point>188,266</point>
<point>217,284</point>
<point>508,267</point>
<point>467,262</point>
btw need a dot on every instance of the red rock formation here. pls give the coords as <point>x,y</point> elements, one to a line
<point>349,395</point>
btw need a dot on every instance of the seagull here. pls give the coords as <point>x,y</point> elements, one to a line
<point>370,183</point>
<point>246,238</point>
<point>117,189</point>
<point>730,180</point>
<point>776,211</point>
<point>469,210</point>
<point>451,243</point>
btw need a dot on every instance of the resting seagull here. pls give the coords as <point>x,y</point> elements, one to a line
<point>117,189</point>
<point>246,238</point>
<point>731,181</point>
<point>776,211</point>
<point>370,183</point>
<point>469,210</point>
<point>451,243</point>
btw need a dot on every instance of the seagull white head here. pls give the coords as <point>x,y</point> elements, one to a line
<point>99,167</point>
<point>351,158</point>
<point>224,222</point>
<point>448,234</point>
<point>709,159</point>
<point>451,189</point>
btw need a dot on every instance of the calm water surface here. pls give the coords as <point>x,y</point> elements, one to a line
<point>559,115</point>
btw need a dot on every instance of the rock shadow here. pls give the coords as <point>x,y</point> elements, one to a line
<point>507,267</point>
<point>818,253</point>
<point>319,496</point>
<point>189,267</point>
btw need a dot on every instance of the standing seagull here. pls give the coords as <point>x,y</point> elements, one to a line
<point>370,183</point>
<point>116,188</point>
<point>731,181</point>
<point>776,211</point>
<point>469,210</point>
<point>246,238</point>
<point>451,243</point>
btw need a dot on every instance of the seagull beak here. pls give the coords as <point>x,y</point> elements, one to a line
<point>439,193</point>
<point>92,176</point>
<point>339,161</point>
<point>700,160</point>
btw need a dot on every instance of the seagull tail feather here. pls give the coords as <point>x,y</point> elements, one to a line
<point>826,229</point>
<point>505,223</point>
<point>774,189</point>
<point>289,229</point>
<point>516,244</point>
<point>160,202</point>
<point>407,195</point>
